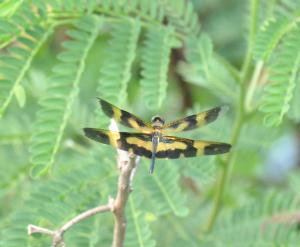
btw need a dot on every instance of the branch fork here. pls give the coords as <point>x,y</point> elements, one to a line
<point>127,164</point>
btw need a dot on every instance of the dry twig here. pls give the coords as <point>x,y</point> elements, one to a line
<point>127,165</point>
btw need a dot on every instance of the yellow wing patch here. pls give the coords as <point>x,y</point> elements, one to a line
<point>146,144</point>
<point>173,147</point>
<point>194,121</point>
<point>137,143</point>
<point>125,118</point>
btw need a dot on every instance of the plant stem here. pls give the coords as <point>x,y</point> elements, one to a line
<point>251,37</point>
<point>227,164</point>
<point>252,86</point>
<point>226,167</point>
<point>127,165</point>
<point>124,189</point>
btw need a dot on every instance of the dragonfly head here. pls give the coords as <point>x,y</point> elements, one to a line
<point>157,121</point>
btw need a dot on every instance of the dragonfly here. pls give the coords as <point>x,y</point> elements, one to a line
<point>152,140</point>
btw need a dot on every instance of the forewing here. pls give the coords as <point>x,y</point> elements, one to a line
<point>195,121</point>
<point>124,117</point>
<point>172,147</point>
<point>137,143</point>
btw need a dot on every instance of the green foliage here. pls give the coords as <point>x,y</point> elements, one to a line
<point>54,202</point>
<point>269,36</point>
<point>259,223</point>
<point>57,104</point>
<point>275,46</point>
<point>9,7</point>
<point>139,233</point>
<point>284,74</point>
<point>143,56</point>
<point>202,66</point>
<point>116,69</point>
<point>294,111</point>
<point>155,61</point>
<point>18,17</point>
<point>17,62</point>
<point>181,15</point>
<point>164,192</point>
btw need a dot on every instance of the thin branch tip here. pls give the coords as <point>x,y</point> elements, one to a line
<point>32,229</point>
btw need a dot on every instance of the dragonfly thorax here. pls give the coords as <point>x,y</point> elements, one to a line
<point>157,122</point>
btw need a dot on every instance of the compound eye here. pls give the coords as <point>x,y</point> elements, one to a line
<point>154,119</point>
<point>157,119</point>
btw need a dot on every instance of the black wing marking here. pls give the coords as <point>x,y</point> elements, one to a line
<point>172,147</point>
<point>124,117</point>
<point>195,121</point>
<point>137,143</point>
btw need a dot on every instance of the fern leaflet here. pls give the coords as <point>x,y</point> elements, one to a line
<point>164,190</point>
<point>56,107</point>
<point>283,77</point>
<point>181,15</point>
<point>202,66</point>
<point>7,8</point>
<point>144,9</point>
<point>259,224</point>
<point>22,16</point>
<point>56,201</point>
<point>14,66</point>
<point>269,37</point>
<point>138,231</point>
<point>202,172</point>
<point>73,6</point>
<point>155,61</point>
<point>115,71</point>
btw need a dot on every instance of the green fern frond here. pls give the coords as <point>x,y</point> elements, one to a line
<point>144,9</point>
<point>202,170</point>
<point>116,68</point>
<point>182,16</point>
<point>10,177</point>
<point>138,230</point>
<point>202,66</point>
<point>150,10</point>
<point>269,37</point>
<point>81,234</point>
<point>287,8</point>
<point>163,190</point>
<point>13,67</point>
<point>23,16</point>
<point>56,106</point>
<point>8,7</point>
<point>7,32</point>
<point>259,224</point>
<point>101,233</point>
<point>155,63</point>
<point>73,6</point>
<point>284,74</point>
<point>54,202</point>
